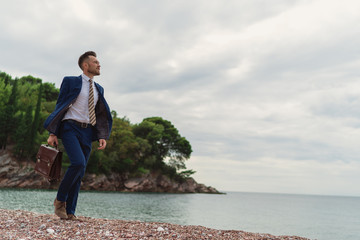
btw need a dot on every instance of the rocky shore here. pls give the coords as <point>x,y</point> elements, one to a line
<point>22,175</point>
<point>19,224</point>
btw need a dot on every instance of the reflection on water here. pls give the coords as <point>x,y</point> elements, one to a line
<point>135,206</point>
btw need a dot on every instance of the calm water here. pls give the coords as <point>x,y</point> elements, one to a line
<point>315,217</point>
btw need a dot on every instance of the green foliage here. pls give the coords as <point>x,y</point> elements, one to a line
<point>50,92</point>
<point>19,134</point>
<point>36,122</point>
<point>6,78</point>
<point>8,120</point>
<point>165,141</point>
<point>187,173</point>
<point>19,123</point>
<point>142,171</point>
<point>134,149</point>
<point>23,146</point>
<point>5,91</point>
<point>97,163</point>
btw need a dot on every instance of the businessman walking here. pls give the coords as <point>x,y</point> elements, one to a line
<point>81,116</point>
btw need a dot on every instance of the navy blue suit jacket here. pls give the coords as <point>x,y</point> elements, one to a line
<point>69,91</point>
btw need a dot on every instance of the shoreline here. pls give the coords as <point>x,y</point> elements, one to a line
<point>20,224</point>
<point>19,174</point>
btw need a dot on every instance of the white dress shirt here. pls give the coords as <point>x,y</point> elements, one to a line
<point>79,111</point>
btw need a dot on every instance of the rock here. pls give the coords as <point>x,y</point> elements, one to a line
<point>132,183</point>
<point>147,185</point>
<point>4,170</point>
<point>43,226</point>
<point>165,184</point>
<point>14,174</point>
<point>50,230</point>
<point>5,160</point>
<point>160,229</point>
<point>156,182</point>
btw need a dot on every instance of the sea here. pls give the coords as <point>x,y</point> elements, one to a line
<point>311,216</point>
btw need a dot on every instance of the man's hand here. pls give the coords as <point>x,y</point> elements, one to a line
<point>102,144</point>
<point>53,140</point>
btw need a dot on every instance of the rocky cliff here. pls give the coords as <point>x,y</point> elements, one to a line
<point>15,174</point>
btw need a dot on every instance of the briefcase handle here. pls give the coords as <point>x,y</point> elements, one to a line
<point>56,146</point>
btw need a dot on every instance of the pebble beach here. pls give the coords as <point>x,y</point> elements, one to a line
<point>19,224</point>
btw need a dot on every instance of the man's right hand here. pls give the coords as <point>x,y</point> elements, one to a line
<point>53,140</point>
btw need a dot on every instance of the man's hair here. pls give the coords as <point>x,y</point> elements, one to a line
<point>85,56</point>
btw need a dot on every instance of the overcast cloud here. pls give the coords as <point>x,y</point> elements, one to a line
<point>267,92</point>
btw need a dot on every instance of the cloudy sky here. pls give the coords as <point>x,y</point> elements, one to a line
<point>267,92</point>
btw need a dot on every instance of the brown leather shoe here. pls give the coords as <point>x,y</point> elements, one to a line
<point>72,217</point>
<point>60,209</point>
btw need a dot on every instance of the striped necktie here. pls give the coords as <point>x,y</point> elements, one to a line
<point>91,104</point>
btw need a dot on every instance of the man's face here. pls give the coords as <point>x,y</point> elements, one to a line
<point>93,66</point>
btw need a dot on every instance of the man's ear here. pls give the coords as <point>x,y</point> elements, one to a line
<point>85,65</point>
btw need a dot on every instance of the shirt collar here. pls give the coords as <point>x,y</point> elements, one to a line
<point>84,77</point>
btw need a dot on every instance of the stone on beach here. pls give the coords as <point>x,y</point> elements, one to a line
<point>43,226</point>
<point>160,229</point>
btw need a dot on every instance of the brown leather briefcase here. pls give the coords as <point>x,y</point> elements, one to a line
<point>48,162</point>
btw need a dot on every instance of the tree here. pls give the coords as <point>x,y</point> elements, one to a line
<point>50,92</point>
<point>5,91</point>
<point>5,78</point>
<point>123,150</point>
<point>36,122</point>
<point>165,141</point>
<point>8,123</point>
<point>114,114</point>
<point>22,135</point>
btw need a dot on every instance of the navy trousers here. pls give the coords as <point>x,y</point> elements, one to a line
<point>77,143</point>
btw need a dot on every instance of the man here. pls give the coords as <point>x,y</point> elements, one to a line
<point>81,116</point>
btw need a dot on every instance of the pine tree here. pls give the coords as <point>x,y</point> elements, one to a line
<point>8,117</point>
<point>36,122</point>
<point>19,136</point>
<point>28,118</point>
